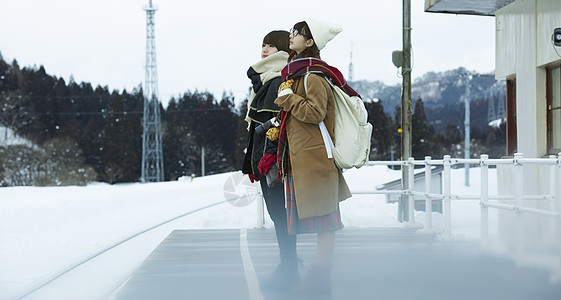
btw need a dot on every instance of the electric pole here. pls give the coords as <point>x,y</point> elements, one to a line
<point>406,139</point>
<point>467,135</point>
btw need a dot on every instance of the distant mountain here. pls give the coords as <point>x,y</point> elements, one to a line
<point>438,89</point>
<point>443,95</point>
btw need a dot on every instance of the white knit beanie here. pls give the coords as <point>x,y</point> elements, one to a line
<point>323,32</point>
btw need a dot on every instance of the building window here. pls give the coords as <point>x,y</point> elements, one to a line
<point>553,82</point>
<point>511,144</point>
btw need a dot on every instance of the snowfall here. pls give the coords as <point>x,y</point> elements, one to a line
<point>45,231</point>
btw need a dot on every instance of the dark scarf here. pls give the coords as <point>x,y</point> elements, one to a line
<point>263,104</point>
<point>265,76</point>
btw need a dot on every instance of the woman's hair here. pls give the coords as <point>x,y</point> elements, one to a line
<point>279,39</point>
<point>313,51</point>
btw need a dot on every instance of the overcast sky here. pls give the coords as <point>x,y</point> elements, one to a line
<point>209,44</point>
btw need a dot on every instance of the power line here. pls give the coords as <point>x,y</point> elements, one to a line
<point>133,112</point>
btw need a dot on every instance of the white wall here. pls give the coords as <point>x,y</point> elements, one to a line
<point>523,49</point>
<point>505,35</point>
<point>549,18</point>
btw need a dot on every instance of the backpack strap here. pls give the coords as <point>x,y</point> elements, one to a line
<point>327,141</point>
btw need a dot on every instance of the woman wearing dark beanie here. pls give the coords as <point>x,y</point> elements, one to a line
<point>265,76</point>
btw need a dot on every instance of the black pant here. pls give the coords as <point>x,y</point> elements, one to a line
<point>274,199</point>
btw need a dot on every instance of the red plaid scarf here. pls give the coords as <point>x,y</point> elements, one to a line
<point>283,159</point>
<point>295,69</point>
<point>301,66</point>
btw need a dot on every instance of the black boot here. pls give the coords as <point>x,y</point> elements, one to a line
<point>285,277</point>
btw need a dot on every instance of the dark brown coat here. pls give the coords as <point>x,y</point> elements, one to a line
<point>318,183</point>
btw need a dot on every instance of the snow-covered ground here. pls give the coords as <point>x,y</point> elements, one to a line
<point>44,230</point>
<point>9,137</point>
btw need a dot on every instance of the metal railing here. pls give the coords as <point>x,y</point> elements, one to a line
<point>484,162</point>
<point>518,208</point>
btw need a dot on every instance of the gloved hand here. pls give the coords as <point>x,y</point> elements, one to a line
<point>273,133</point>
<point>266,162</point>
<point>253,178</point>
<point>286,88</point>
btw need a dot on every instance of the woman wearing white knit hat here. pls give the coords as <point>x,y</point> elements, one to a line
<point>314,185</point>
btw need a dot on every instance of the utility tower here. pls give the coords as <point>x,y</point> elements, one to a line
<point>152,158</point>
<point>501,114</point>
<point>491,115</point>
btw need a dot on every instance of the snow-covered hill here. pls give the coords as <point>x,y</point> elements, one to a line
<point>9,137</point>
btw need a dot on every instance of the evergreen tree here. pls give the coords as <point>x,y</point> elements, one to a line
<point>396,137</point>
<point>64,164</point>
<point>422,132</point>
<point>381,131</point>
<point>195,122</point>
<point>242,136</point>
<point>91,145</point>
<point>100,131</point>
<point>22,165</point>
<point>120,142</point>
<point>225,136</point>
<point>132,122</point>
<point>177,144</point>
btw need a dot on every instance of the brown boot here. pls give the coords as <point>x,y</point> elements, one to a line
<point>316,282</point>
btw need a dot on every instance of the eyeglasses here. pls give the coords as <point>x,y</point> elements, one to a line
<point>294,32</point>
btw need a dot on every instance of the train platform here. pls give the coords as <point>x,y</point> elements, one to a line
<point>369,263</point>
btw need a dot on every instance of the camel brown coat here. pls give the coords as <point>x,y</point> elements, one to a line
<point>318,184</point>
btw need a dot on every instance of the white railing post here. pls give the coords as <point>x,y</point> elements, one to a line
<point>518,196</point>
<point>411,188</point>
<point>447,196</point>
<point>260,212</point>
<point>558,200</point>
<point>428,200</point>
<point>484,198</point>
<point>515,201</point>
<point>552,190</point>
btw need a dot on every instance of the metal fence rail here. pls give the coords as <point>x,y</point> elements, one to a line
<point>484,162</point>
<point>518,209</point>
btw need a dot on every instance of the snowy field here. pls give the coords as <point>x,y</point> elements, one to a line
<point>46,230</point>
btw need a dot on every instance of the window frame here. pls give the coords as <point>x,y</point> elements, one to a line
<point>549,107</point>
<point>511,131</point>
